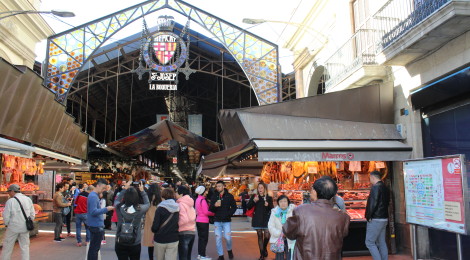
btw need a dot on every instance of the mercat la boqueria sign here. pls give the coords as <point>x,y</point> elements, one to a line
<point>164,52</point>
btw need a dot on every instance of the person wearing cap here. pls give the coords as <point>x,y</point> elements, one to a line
<point>202,221</point>
<point>16,223</point>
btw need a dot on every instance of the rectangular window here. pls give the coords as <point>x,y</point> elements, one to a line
<point>360,12</point>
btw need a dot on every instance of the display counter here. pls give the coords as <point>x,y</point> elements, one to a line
<point>40,215</point>
<point>295,179</point>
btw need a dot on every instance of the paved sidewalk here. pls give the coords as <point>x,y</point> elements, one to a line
<point>245,246</point>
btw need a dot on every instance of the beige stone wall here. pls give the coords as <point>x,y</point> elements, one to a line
<point>19,34</point>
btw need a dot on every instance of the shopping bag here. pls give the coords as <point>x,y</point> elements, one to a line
<point>278,247</point>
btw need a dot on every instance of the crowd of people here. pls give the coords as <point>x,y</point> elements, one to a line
<point>166,218</point>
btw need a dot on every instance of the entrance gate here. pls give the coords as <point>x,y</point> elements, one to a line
<point>68,51</point>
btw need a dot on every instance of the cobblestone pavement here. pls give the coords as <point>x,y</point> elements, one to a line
<point>245,245</point>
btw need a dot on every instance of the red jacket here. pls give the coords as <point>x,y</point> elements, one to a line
<point>81,202</point>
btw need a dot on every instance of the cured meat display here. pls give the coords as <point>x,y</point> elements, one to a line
<point>356,214</point>
<point>16,166</point>
<point>14,169</point>
<point>295,180</point>
<point>23,186</point>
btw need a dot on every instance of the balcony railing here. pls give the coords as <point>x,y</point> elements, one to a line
<point>397,17</point>
<point>358,51</point>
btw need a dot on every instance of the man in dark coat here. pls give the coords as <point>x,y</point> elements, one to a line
<point>318,228</point>
<point>377,217</point>
<point>224,206</point>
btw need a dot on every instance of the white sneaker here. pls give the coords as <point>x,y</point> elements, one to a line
<point>205,258</point>
<point>198,257</point>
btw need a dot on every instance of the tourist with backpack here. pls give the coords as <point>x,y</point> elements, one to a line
<point>202,221</point>
<point>130,213</point>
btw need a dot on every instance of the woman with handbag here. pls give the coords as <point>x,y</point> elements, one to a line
<point>279,243</point>
<point>58,209</point>
<point>202,221</point>
<point>263,203</point>
<point>155,196</point>
<point>165,227</point>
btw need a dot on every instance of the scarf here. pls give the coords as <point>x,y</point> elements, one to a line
<point>282,214</point>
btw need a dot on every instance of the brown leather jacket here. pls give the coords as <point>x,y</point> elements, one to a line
<point>318,229</point>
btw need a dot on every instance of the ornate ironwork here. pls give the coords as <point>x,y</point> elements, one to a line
<point>68,51</point>
<point>397,17</point>
<point>359,50</point>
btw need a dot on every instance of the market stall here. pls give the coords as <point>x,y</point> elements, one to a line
<point>23,172</point>
<point>295,179</point>
<point>235,186</point>
<point>296,150</point>
<point>91,177</point>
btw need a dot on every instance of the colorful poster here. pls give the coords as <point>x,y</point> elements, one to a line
<point>434,194</point>
<point>453,192</point>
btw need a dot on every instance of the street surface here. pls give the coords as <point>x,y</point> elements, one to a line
<point>245,245</point>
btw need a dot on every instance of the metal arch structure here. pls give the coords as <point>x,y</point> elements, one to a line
<point>67,52</point>
<point>200,63</point>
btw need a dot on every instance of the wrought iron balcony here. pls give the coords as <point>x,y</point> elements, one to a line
<point>397,17</point>
<point>357,52</point>
<point>413,28</point>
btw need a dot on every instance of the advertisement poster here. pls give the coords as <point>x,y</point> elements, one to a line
<point>434,194</point>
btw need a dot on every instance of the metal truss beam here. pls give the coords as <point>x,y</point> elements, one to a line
<point>200,63</point>
<point>68,51</point>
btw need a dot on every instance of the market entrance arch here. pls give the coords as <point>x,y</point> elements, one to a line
<point>68,51</point>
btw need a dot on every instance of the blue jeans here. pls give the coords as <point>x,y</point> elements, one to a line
<point>96,236</point>
<point>79,219</point>
<point>375,239</point>
<point>225,227</point>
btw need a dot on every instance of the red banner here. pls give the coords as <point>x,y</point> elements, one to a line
<point>453,193</point>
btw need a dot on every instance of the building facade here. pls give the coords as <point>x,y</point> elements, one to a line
<point>422,49</point>
<point>19,34</point>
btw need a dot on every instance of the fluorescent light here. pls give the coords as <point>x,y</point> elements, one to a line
<point>56,155</point>
<point>15,148</point>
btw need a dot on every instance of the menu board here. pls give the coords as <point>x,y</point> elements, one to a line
<point>434,193</point>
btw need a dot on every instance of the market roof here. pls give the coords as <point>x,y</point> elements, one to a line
<point>159,133</point>
<point>243,126</point>
<point>308,150</point>
<point>369,104</point>
<point>28,112</point>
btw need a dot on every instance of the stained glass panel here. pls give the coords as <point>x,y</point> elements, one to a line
<point>68,52</point>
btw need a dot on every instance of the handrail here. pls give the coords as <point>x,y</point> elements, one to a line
<point>397,17</point>
<point>359,50</point>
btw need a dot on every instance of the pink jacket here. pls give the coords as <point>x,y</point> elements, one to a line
<point>187,220</point>
<point>202,210</point>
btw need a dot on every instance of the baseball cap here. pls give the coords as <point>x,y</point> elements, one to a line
<point>200,190</point>
<point>14,187</point>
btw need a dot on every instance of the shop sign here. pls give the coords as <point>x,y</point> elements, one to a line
<point>161,117</point>
<point>195,124</point>
<point>164,53</point>
<point>337,156</point>
<point>163,87</point>
<point>163,76</point>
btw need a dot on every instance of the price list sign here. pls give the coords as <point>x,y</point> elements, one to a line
<point>434,193</point>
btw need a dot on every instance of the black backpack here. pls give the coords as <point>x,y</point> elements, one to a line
<point>128,234</point>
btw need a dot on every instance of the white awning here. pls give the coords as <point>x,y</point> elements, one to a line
<point>332,150</point>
